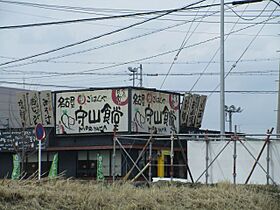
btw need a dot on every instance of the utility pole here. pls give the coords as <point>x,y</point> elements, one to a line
<point>222,60</point>
<point>222,71</point>
<point>134,72</point>
<point>141,76</point>
<point>278,109</point>
<point>230,110</point>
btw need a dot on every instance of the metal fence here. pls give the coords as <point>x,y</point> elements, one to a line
<point>212,158</point>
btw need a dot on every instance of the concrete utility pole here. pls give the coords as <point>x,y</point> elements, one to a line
<point>230,110</point>
<point>278,109</point>
<point>222,71</point>
<point>222,60</point>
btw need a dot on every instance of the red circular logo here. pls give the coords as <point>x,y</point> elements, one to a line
<point>174,101</point>
<point>120,97</point>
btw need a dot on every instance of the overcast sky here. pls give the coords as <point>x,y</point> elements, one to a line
<point>253,44</point>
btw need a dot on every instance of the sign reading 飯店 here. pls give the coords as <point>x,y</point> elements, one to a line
<point>154,109</point>
<point>92,111</point>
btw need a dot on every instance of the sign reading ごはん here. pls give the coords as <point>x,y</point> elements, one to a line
<point>151,109</point>
<point>92,111</point>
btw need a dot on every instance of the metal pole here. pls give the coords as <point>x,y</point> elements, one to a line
<point>133,78</point>
<point>222,71</point>
<point>114,158</point>
<point>213,161</point>
<point>39,159</point>
<point>171,158</point>
<point>187,158</point>
<point>207,159</point>
<point>267,162</point>
<point>141,76</point>
<point>278,110</point>
<point>150,161</point>
<point>259,156</point>
<point>230,121</point>
<point>234,154</point>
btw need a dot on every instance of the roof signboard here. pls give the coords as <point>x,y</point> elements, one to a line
<point>92,111</point>
<point>154,109</point>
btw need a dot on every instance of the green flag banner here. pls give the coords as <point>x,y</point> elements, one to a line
<point>100,176</point>
<point>16,167</point>
<point>53,170</point>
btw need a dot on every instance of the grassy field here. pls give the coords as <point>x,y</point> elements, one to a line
<point>71,194</point>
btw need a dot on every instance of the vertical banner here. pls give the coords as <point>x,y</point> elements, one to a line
<point>54,168</point>
<point>16,167</point>
<point>100,176</point>
<point>22,107</point>
<point>46,108</point>
<point>35,107</point>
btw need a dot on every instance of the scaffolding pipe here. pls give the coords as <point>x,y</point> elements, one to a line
<point>256,161</point>
<point>185,158</point>
<point>171,157</point>
<point>267,162</point>
<point>141,172</point>
<point>234,154</point>
<point>150,162</point>
<point>114,159</point>
<point>134,163</point>
<point>139,157</point>
<point>207,159</point>
<point>212,161</point>
<point>259,156</point>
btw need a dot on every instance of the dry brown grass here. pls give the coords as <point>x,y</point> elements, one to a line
<point>72,194</point>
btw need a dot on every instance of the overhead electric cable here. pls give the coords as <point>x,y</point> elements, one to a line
<point>186,39</point>
<point>106,45</point>
<point>243,53</point>
<point>171,51</point>
<point>214,55</point>
<point>165,12</point>
<point>249,19</point>
<point>96,37</point>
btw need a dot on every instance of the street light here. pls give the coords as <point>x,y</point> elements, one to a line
<point>134,72</point>
<point>230,110</point>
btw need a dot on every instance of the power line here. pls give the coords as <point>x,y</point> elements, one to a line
<point>181,91</point>
<point>186,39</point>
<point>240,73</point>
<point>97,37</point>
<point>106,45</point>
<point>165,12</point>
<point>168,52</point>
<point>147,63</point>
<point>242,54</point>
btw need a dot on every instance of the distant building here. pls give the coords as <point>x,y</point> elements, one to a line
<point>84,125</point>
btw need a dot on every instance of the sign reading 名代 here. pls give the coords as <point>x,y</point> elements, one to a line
<point>154,109</point>
<point>92,111</point>
<point>35,107</point>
